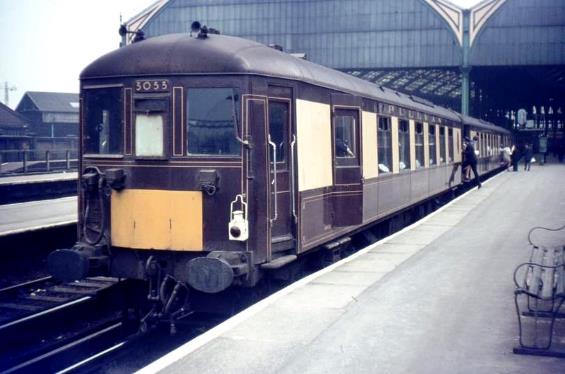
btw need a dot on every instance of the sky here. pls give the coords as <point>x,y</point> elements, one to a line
<point>44,44</point>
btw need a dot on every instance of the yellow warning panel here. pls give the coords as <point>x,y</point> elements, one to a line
<point>157,219</point>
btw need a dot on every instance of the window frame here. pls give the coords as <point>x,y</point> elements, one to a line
<point>83,116</point>
<point>340,161</point>
<point>442,149</point>
<point>405,135</point>
<point>163,154</point>
<point>238,124</point>
<point>419,136</point>
<point>281,165</point>
<point>432,134</point>
<point>388,134</point>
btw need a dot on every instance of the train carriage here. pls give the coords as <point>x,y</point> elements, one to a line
<point>212,160</point>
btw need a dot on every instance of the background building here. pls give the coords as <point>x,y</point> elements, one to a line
<point>13,132</point>
<point>488,61</point>
<point>53,119</point>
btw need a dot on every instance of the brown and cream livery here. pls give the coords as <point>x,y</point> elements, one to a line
<point>212,160</point>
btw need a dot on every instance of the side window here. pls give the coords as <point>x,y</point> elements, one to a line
<point>432,144</point>
<point>441,144</point>
<point>449,145</point>
<point>211,127</point>
<point>384,141</point>
<point>345,139</point>
<point>404,144</point>
<point>278,125</point>
<point>419,137</point>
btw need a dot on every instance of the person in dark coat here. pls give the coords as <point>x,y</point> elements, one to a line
<point>471,160</point>
<point>528,154</point>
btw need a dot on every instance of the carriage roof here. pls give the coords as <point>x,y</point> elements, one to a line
<point>181,54</point>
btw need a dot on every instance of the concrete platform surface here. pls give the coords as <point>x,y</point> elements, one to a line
<point>435,298</point>
<point>36,215</point>
<point>38,178</point>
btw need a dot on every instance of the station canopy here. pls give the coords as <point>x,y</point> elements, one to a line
<point>511,51</point>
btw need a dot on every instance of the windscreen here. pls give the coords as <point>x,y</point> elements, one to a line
<point>103,127</point>
<point>211,127</point>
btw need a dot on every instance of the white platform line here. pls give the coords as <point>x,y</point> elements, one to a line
<point>37,228</point>
<point>40,202</point>
<point>229,324</point>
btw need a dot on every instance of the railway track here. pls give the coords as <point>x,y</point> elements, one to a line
<point>47,326</point>
<point>44,323</point>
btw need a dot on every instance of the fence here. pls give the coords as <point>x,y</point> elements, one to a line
<point>33,161</point>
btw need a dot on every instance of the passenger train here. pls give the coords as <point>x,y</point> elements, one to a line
<point>208,161</point>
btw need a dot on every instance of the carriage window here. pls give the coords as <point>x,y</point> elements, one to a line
<point>103,126</point>
<point>278,123</point>
<point>432,144</point>
<point>149,134</point>
<point>449,145</point>
<point>404,145</point>
<point>441,144</point>
<point>211,126</point>
<point>345,146</point>
<point>384,141</point>
<point>419,146</point>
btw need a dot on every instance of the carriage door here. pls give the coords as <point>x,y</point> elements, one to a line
<point>280,159</point>
<point>348,187</point>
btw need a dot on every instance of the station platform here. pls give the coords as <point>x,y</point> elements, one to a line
<point>30,187</point>
<point>37,215</point>
<point>436,297</point>
<point>38,178</point>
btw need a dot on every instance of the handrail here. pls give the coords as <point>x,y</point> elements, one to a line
<point>274,182</point>
<point>292,182</point>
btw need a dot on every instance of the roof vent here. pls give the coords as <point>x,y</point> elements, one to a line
<point>277,47</point>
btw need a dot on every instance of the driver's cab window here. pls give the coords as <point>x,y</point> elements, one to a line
<point>212,122</point>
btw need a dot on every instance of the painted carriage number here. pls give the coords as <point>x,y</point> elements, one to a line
<point>151,86</point>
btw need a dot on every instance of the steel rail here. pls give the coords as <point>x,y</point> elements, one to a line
<point>45,312</point>
<point>64,348</point>
<point>25,284</point>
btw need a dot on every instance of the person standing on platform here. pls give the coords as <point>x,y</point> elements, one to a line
<point>528,154</point>
<point>471,160</point>
<point>466,168</point>
<point>515,156</point>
